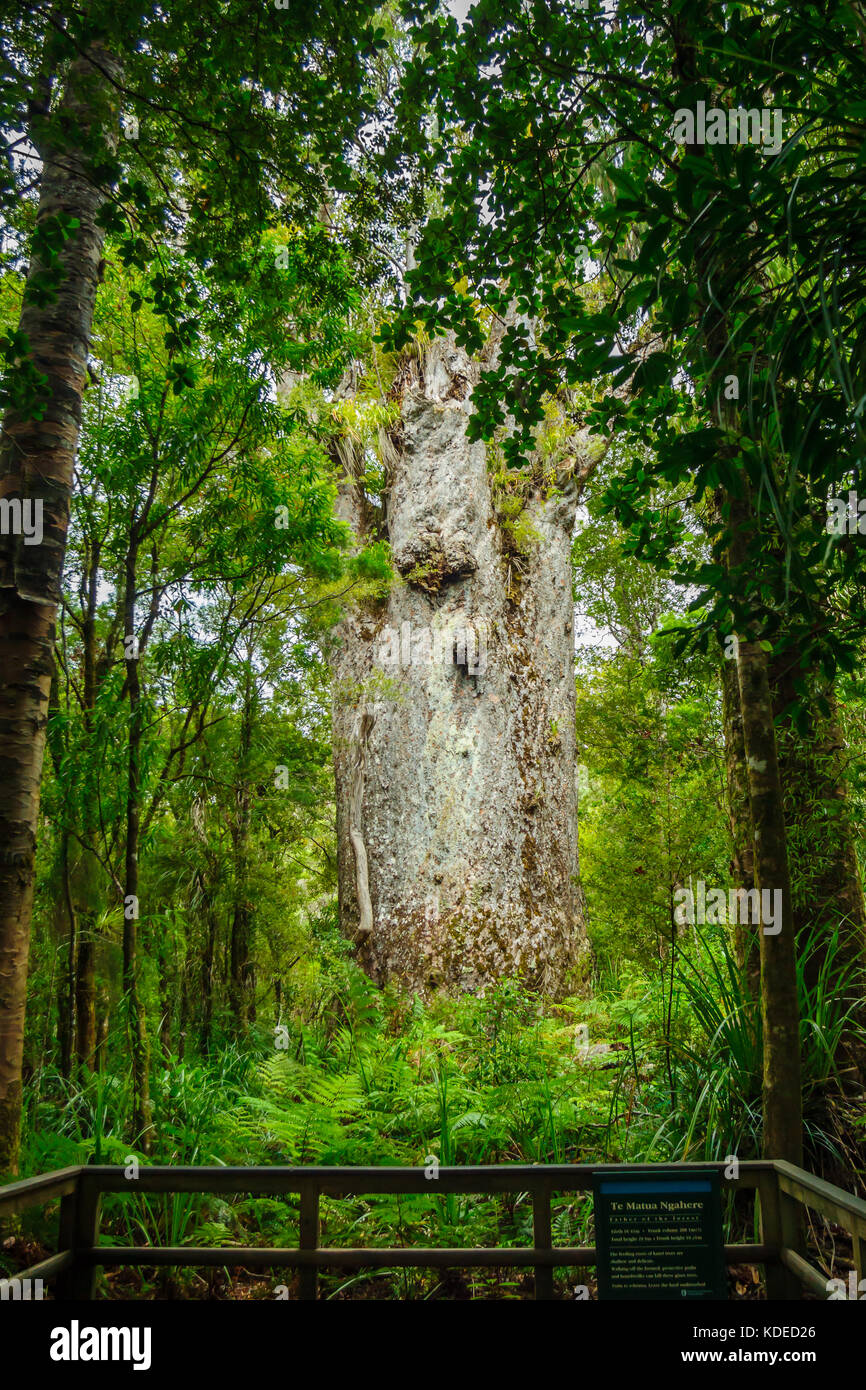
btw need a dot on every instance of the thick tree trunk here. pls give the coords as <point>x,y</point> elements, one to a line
<point>782,1098</point>
<point>454,737</point>
<point>751,717</point>
<point>36,462</point>
<point>135,1018</point>
<point>827,890</point>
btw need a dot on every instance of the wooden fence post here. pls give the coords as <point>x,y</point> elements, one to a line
<point>79,1232</point>
<point>859,1242</point>
<point>308,1239</point>
<point>542,1239</point>
<point>780,1226</point>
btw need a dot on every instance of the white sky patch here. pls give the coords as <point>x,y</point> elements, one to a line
<point>459,9</point>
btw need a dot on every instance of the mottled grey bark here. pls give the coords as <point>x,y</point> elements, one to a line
<point>454,716</point>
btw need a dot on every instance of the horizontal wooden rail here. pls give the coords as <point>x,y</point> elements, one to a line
<point>842,1207</point>
<point>46,1269</point>
<point>344,1182</point>
<point>374,1257</point>
<point>32,1192</point>
<point>365,1257</point>
<point>809,1277</point>
<point>781,1189</point>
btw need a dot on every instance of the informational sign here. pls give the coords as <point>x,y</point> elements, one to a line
<point>659,1235</point>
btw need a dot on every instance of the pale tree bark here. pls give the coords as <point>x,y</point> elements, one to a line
<point>454,713</point>
<point>36,462</point>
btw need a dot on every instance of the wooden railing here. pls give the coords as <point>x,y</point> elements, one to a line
<point>782,1190</point>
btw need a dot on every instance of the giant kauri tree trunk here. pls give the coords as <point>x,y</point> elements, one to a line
<point>454,712</point>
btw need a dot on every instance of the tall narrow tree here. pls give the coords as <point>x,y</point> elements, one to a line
<point>36,463</point>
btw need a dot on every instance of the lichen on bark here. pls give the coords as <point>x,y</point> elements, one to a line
<point>469,809</point>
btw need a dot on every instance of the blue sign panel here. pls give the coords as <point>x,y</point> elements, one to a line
<point>659,1235</point>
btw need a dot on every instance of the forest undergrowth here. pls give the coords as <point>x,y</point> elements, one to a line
<point>652,1067</point>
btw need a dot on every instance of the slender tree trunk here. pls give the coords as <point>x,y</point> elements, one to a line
<point>739,819</point>
<point>184,1012</point>
<point>207,980</point>
<point>85,995</point>
<point>782,1101</point>
<point>103,1019</point>
<point>65,908</point>
<point>780,1010</point>
<point>65,1012</point>
<point>36,462</point>
<point>241,984</point>
<point>66,978</point>
<point>166,1008</point>
<point>86,883</point>
<point>136,1025</point>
